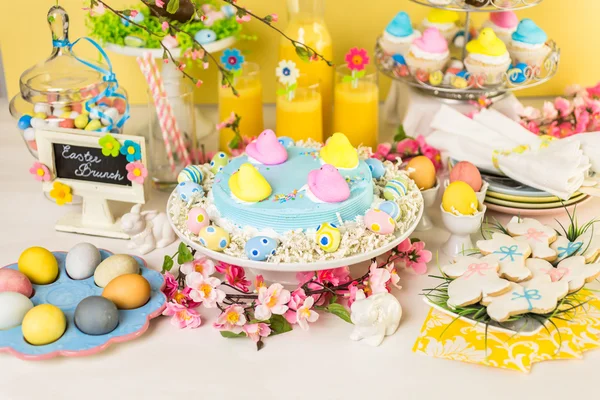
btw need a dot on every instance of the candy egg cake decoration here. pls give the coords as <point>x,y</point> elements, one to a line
<point>309,198</point>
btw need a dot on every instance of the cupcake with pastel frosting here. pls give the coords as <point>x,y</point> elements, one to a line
<point>399,35</point>
<point>503,23</point>
<point>444,21</point>
<point>488,57</point>
<point>428,53</point>
<point>528,44</point>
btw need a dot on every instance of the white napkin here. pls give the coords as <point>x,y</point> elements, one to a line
<point>590,144</point>
<point>508,128</point>
<point>459,148</point>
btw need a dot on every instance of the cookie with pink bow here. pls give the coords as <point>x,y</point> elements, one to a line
<point>537,235</point>
<point>511,255</point>
<point>473,278</point>
<point>573,270</point>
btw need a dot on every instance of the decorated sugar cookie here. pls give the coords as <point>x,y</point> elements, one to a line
<point>591,244</point>
<point>538,297</point>
<point>544,271</point>
<point>565,248</point>
<point>537,235</point>
<point>575,272</point>
<point>511,255</point>
<point>473,279</point>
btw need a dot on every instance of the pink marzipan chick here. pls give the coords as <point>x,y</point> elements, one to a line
<point>328,185</point>
<point>267,149</point>
<point>432,41</point>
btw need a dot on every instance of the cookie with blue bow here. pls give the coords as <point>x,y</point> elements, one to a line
<point>587,245</point>
<point>511,255</point>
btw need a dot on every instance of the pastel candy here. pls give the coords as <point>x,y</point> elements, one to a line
<point>328,185</point>
<point>266,149</point>
<point>15,281</point>
<point>391,208</point>
<point>24,122</point>
<point>487,43</point>
<point>400,26</point>
<point>338,151</point>
<point>328,237</point>
<point>528,32</point>
<point>188,190</point>
<point>197,218</point>
<point>286,141</point>
<point>214,238</point>
<point>247,184</point>
<point>205,36</point>
<point>432,41</point>
<point>379,222</point>
<point>396,188</point>
<point>191,173</point>
<point>259,248</point>
<point>218,162</point>
<point>376,167</point>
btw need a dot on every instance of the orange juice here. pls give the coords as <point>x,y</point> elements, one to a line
<point>301,117</point>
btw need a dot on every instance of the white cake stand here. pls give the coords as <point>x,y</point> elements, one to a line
<point>285,273</point>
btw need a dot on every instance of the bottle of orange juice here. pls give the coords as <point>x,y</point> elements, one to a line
<point>307,25</point>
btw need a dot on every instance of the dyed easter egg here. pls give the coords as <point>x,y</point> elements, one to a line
<point>38,265</point>
<point>82,260</point>
<point>391,208</point>
<point>191,173</point>
<point>81,121</point>
<point>197,218</point>
<point>15,281</point>
<point>328,237</point>
<point>24,122</point>
<point>396,188</point>
<point>459,198</point>
<point>379,222</point>
<point>43,324</point>
<point>93,125</point>
<point>376,167</point>
<point>468,173</point>
<point>114,266</point>
<point>218,162</point>
<point>13,308</point>
<point>259,248</point>
<point>96,315</point>
<point>422,171</point>
<point>205,36</point>
<point>214,238</point>
<point>111,116</point>
<point>188,190</point>
<point>286,141</point>
<point>128,291</point>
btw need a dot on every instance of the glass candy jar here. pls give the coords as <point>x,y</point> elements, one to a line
<point>66,91</point>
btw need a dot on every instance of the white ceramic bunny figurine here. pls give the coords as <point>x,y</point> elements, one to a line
<point>375,317</point>
<point>148,229</point>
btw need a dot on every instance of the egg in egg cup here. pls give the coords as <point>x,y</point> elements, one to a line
<point>461,227</point>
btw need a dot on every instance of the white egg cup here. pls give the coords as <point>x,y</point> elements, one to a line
<point>461,227</point>
<point>480,195</point>
<point>429,197</point>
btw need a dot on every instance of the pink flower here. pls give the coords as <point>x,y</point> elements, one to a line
<point>594,91</point>
<point>297,298</point>
<point>40,172</point>
<point>335,276</point>
<point>159,3</point>
<point>383,149</point>
<point>549,112</point>
<point>357,59</point>
<point>183,298</point>
<point>414,256</point>
<point>256,331</point>
<point>204,290</point>
<point>430,152</point>
<point>271,301</point>
<point>200,264</point>
<point>136,172</point>
<point>408,147</point>
<point>575,90</point>
<point>566,129</point>
<point>171,285</point>
<point>259,282</point>
<point>236,277</point>
<point>182,317</point>
<point>563,106</point>
<point>133,13</point>
<point>532,126</point>
<point>530,113</point>
<point>274,17</point>
<point>245,18</point>
<point>582,116</point>
<point>165,26</point>
<point>205,65</point>
<point>553,129</point>
<point>242,146</point>
<point>352,290</point>
<point>471,114</point>
<point>232,319</point>
<point>230,120</point>
<point>394,277</point>
<point>378,279</point>
<point>199,83</point>
<point>98,9</point>
<point>305,314</point>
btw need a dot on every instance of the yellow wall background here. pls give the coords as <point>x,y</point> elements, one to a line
<point>573,24</point>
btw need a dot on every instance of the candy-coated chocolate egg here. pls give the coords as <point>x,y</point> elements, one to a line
<point>120,105</point>
<point>82,260</point>
<point>42,108</point>
<point>81,121</point>
<point>379,222</point>
<point>286,141</point>
<point>188,190</point>
<point>111,116</point>
<point>376,167</point>
<point>24,122</point>
<point>328,237</point>
<point>197,219</point>
<point>460,199</point>
<point>113,267</point>
<point>96,315</point>
<point>13,307</point>
<point>468,173</point>
<point>128,291</point>
<point>205,36</point>
<point>391,208</point>
<point>15,281</point>
<point>191,173</point>
<point>39,265</point>
<point>396,188</point>
<point>39,115</point>
<point>93,125</point>
<point>38,122</point>
<point>214,238</point>
<point>29,134</point>
<point>43,324</point>
<point>422,171</point>
<point>436,78</point>
<point>459,82</point>
<point>66,123</point>
<point>218,162</point>
<point>259,248</point>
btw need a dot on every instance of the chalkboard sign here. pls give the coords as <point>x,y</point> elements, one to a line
<point>89,164</point>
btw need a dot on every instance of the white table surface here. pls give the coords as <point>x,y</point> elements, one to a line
<point>322,363</point>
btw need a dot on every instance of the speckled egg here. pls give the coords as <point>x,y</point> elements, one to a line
<point>460,199</point>
<point>328,237</point>
<point>128,291</point>
<point>214,238</point>
<point>396,188</point>
<point>39,265</point>
<point>205,36</point>
<point>43,324</point>
<point>218,162</point>
<point>197,219</point>
<point>259,248</point>
<point>286,141</point>
<point>188,190</point>
<point>379,222</point>
<point>82,260</point>
<point>391,208</point>
<point>376,167</point>
<point>15,281</point>
<point>96,315</point>
<point>191,173</point>
<point>114,266</point>
<point>13,307</point>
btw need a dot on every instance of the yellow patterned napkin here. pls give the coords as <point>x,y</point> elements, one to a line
<point>463,341</point>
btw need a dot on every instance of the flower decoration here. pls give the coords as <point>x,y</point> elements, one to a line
<point>232,59</point>
<point>405,148</point>
<point>306,314</point>
<point>357,59</point>
<point>182,317</point>
<point>131,150</point>
<point>272,301</point>
<point>200,264</point>
<point>110,145</point>
<point>232,319</point>
<point>257,331</point>
<point>288,75</point>
<point>40,172</point>
<point>136,172</point>
<point>204,290</point>
<point>61,193</point>
<point>415,256</point>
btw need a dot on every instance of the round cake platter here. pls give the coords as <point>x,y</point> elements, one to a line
<point>285,273</point>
